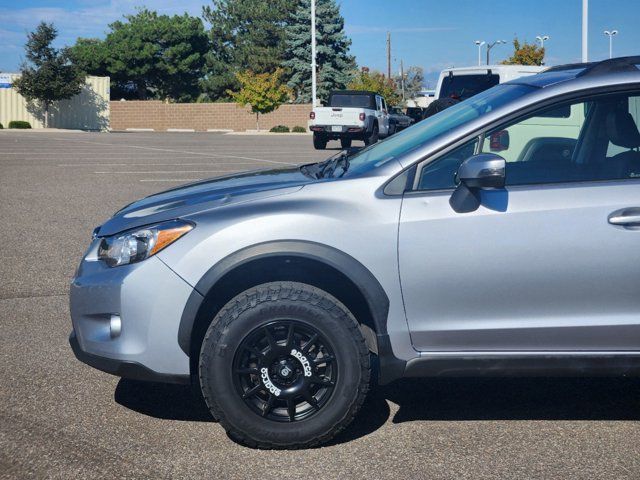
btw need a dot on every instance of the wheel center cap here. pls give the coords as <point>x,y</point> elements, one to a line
<point>285,371</point>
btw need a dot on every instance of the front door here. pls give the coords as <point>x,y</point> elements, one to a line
<point>551,262</point>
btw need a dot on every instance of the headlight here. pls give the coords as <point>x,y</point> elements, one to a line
<point>137,245</point>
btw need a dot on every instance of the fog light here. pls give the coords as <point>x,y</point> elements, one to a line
<point>115,326</point>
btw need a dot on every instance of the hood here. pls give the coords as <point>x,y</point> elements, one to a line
<point>205,195</point>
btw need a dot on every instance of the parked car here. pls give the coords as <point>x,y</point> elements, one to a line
<point>399,119</point>
<point>464,82</point>
<point>450,249</point>
<point>416,113</point>
<point>350,115</point>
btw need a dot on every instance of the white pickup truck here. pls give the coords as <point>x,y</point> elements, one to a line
<point>350,115</point>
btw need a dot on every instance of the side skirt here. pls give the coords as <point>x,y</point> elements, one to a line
<point>524,364</point>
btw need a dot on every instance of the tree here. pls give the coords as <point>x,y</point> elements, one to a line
<point>335,65</point>
<point>525,54</point>
<point>413,81</point>
<point>378,83</point>
<point>149,54</point>
<point>264,92</point>
<point>90,55</point>
<point>48,75</point>
<point>244,35</point>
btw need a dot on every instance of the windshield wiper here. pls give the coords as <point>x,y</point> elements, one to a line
<point>335,162</point>
<point>328,167</point>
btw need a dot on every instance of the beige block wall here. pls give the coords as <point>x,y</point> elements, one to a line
<point>87,111</point>
<point>201,117</point>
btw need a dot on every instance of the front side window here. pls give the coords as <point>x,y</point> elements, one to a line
<point>433,127</point>
<point>594,139</point>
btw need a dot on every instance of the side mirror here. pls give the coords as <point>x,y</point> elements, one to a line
<point>479,172</point>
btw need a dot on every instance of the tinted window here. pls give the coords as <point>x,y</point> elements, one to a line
<point>441,174</point>
<point>435,126</point>
<point>351,100</point>
<point>598,140</point>
<point>465,86</point>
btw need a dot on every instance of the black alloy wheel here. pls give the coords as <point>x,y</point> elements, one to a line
<point>285,371</point>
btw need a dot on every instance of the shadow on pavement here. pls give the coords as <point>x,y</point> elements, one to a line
<point>460,399</point>
<point>159,400</point>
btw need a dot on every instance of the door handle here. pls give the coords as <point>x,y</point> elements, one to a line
<point>628,217</point>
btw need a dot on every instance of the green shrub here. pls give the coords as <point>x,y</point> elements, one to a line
<point>299,129</point>
<point>19,124</point>
<point>280,129</point>
<point>1,127</point>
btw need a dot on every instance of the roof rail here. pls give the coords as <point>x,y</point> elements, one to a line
<point>613,65</point>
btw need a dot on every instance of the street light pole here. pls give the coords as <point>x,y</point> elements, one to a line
<point>313,53</point>
<point>542,39</point>
<point>610,34</point>
<point>479,43</point>
<point>491,45</point>
<point>585,31</point>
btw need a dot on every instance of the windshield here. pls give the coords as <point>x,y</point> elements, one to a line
<point>439,124</point>
<point>462,87</point>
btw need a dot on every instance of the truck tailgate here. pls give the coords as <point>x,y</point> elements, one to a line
<point>337,116</point>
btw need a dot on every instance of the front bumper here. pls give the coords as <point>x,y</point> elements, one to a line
<point>147,300</point>
<point>122,368</point>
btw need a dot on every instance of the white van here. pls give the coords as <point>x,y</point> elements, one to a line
<point>462,83</point>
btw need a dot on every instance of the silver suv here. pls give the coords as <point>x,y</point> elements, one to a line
<point>499,237</point>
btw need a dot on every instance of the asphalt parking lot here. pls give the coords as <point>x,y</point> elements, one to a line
<point>62,419</point>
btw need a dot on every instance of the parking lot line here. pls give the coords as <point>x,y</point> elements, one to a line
<point>147,172</point>
<point>185,180</point>
<point>169,150</point>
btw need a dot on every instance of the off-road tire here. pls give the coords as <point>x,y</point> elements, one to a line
<point>373,137</point>
<point>252,310</point>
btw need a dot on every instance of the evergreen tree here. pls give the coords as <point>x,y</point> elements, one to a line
<point>48,75</point>
<point>335,66</point>
<point>245,35</point>
<point>148,54</point>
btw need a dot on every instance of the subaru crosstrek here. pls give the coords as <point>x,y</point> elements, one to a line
<point>499,237</point>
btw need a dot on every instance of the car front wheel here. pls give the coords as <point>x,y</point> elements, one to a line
<point>284,365</point>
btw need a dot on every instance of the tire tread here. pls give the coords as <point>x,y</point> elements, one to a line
<point>273,292</point>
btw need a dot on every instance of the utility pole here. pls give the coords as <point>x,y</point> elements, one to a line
<point>313,53</point>
<point>402,79</point>
<point>388,54</point>
<point>585,31</point>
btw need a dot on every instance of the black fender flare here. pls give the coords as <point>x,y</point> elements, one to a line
<point>371,289</point>
<point>390,367</point>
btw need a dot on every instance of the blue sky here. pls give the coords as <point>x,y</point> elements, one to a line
<point>434,34</point>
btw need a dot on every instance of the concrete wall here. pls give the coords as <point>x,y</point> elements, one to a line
<point>87,111</point>
<point>159,116</point>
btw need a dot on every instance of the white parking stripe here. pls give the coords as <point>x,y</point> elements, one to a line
<point>100,164</point>
<point>164,172</point>
<point>155,149</point>
<point>170,180</point>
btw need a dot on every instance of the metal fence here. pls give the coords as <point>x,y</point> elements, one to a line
<point>88,110</point>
